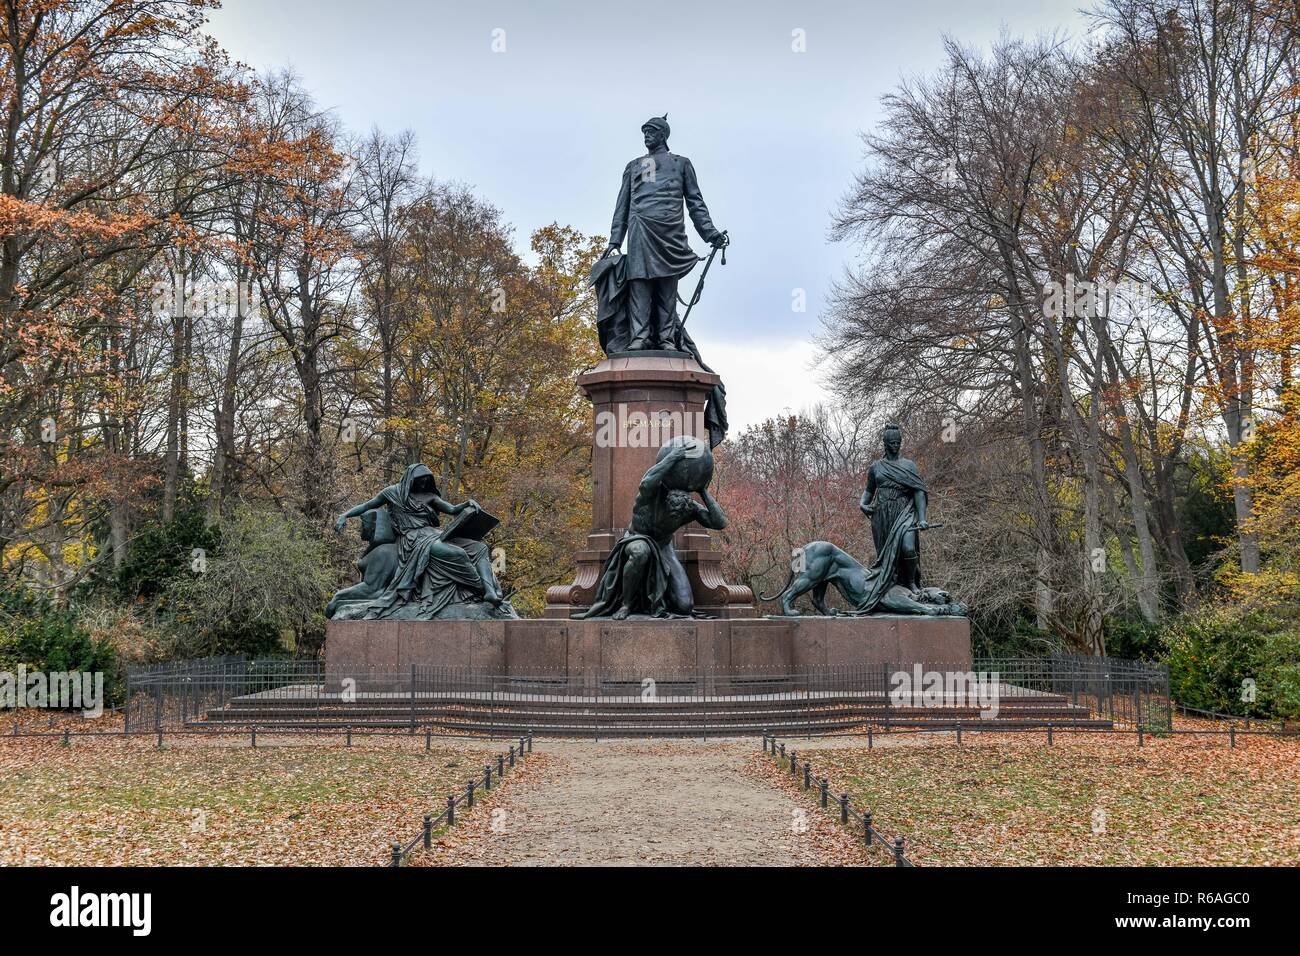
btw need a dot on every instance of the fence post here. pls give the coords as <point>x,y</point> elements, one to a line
<point>1232,735</point>
<point>783,750</point>
<point>67,740</point>
<point>451,809</point>
<point>1049,733</point>
<point>807,774</point>
<point>501,766</point>
<point>825,785</point>
<point>844,809</point>
<point>428,831</point>
<point>521,747</point>
<point>898,851</point>
<point>512,755</point>
<point>469,795</point>
<point>349,736</point>
<point>412,698</point>
<point>252,736</point>
<point>428,738</point>
<point>866,826</point>
<point>160,733</point>
<point>869,740</point>
<point>487,778</point>
<point>958,733</point>
<point>1140,741</point>
<point>397,855</point>
<point>530,743</point>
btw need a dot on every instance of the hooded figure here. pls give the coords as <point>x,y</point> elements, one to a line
<point>432,572</point>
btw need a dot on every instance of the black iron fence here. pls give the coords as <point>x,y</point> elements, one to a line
<point>315,696</point>
<point>850,816</point>
<point>447,818</point>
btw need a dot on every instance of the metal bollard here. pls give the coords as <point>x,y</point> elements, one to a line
<point>1049,734</point>
<point>512,755</point>
<point>522,740</point>
<point>866,826</point>
<point>898,851</point>
<point>959,735</point>
<point>397,855</point>
<point>160,733</point>
<point>67,740</point>
<point>1232,735</point>
<point>794,762</point>
<point>501,766</point>
<point>487,777</point>
<point>825,785</point>
<point>252,738</point>
<point>869,741</point>
<point>451,809</point>
<point>349,736</point>
<point>428,831</point>
<point>428,738</point>
<point>530,743</point>
<point>469,795</point>
<point>844,809</point>
<point>782,744</point>
<point>807,774</point>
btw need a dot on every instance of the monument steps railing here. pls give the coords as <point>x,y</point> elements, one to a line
<point>306,694</point>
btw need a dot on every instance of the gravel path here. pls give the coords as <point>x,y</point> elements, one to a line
<point>645,803</point>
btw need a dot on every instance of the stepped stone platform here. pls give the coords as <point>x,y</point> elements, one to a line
<point>586,648</point>
<point>708,707</point>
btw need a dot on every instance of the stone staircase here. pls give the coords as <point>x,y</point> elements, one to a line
<point>630,715</point>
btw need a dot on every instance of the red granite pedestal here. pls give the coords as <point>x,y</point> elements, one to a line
<point>646,647</point>
<point>640,401</point>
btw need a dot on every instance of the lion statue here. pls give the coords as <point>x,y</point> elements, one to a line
<point>820,564</point>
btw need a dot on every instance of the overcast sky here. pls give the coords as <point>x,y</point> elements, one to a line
<point>543,128</point>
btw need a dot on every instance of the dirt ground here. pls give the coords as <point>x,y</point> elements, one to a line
<point>646,803</point>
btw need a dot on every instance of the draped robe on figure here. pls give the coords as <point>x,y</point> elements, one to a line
<point>893,516</point>
<point>427,576</point>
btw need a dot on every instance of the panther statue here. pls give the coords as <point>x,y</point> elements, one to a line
<point>820,564</point>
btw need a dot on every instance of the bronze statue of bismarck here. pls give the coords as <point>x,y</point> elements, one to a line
<point>648,215</point>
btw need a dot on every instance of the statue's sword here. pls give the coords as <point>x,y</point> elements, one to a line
<point>699,286</point>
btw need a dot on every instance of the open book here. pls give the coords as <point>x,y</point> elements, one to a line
<point>471,523</point>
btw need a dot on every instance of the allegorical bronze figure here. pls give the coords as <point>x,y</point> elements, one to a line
<point>414,570</point>
<point>895,500</point>
<point>643,574</point>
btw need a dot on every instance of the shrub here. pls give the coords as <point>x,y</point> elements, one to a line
<point>42,637</point>
<point>162,553</point>
<point>1213,652</point>
<point>263,591</point>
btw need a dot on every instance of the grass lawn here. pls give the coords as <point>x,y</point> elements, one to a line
<point>220,802</point>
<point>1088,800</point>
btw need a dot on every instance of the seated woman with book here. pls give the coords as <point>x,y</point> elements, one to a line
<point>435,569</point>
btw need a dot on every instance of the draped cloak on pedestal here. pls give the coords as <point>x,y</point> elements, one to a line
<point>431,573</point>
<point>609,279</point>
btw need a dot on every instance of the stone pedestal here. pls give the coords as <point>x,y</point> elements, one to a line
<point>639,401</point>
<point>644,648</point>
